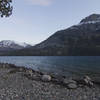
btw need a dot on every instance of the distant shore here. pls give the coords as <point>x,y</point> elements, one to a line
<point>20,83</point>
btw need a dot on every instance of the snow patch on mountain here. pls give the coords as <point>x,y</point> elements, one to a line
<point>89,22</point>
<point>92,19</point>
<point>22,44</point>
<point>8,43</point>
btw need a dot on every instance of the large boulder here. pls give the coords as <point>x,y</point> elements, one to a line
<point>46,78</point>
<point>71,84</point>
<point>88,81</point>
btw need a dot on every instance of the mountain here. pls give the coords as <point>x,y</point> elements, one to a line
<point>82,39</point>
<point>8,45</point>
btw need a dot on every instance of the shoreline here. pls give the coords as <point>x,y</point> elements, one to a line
<point>20,77</point>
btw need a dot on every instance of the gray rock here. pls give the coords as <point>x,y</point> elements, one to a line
<point>87,77</point>
<point>72,86</point>
<point>30,72</point>
<point>46,78</point>
<point>20,69</point>
<point>67,81</point>
<point>88,81</point>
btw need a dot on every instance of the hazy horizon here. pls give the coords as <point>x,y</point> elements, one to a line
<point>33,21</point>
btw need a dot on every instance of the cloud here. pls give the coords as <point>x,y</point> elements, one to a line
<point>40,2</point>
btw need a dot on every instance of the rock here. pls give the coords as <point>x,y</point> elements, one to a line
<point>67,81</point>
<point>88,81</point>
<point>85,97</point>
<point>72,86</point>
<point>87,77</point>
<point>30,72</point>
<point>20,69</point>
<point>46,78</point>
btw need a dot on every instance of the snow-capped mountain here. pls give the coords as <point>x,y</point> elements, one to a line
<point>92,19</point>
<point>80,39</point>
<point>11,45</point>
<point>87,27</point>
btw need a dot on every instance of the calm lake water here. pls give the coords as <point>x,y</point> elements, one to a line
<point>66,65</point>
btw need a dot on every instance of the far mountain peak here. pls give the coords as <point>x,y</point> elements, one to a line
<point>91,18</point>
<point>6,45</point>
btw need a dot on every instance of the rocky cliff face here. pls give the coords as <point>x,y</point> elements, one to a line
<point>81,39</point>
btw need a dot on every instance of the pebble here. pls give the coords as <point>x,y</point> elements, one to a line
<point>26,89</point>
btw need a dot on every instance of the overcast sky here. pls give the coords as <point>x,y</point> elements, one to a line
<point>35,20</point>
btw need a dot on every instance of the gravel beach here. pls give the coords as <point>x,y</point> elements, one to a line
<point>19,83</point>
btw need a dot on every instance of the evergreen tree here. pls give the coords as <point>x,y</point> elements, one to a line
<point>5,8</point>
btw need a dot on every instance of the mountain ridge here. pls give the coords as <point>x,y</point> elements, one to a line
<point>82,39</point>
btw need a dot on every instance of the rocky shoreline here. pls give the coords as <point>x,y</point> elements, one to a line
<point>20,83</point>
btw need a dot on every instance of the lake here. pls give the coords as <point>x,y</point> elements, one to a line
<point>65,65</point>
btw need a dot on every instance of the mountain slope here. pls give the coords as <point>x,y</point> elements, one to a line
<point>82,39</point>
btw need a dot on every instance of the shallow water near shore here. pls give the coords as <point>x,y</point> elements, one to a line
<point>63,65</point>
